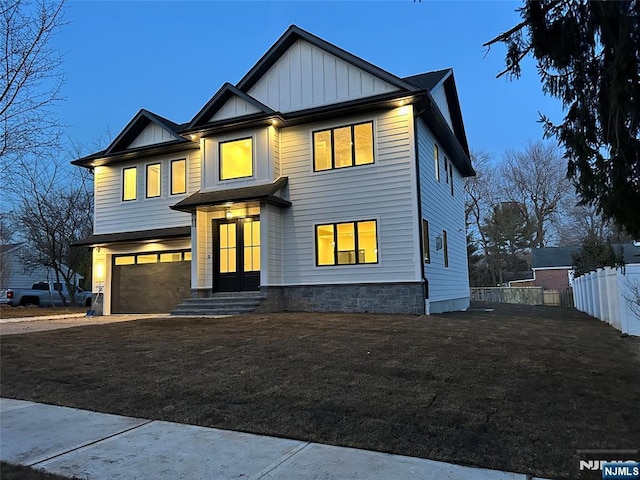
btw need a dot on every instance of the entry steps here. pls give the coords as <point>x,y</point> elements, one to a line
<point>221,303</point>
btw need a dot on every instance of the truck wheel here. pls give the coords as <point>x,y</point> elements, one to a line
<point>30,302</point>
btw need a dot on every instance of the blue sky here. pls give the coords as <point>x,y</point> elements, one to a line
<point>171,57</point>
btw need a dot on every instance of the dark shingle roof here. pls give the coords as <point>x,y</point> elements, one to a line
<point>264,193</point>
<point>159,234</point>
<point>563,256</point>
<point>428,80</point>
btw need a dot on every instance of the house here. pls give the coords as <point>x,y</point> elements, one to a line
<point>16,272</point>
<point>319,182</point>
<point>553,266</point>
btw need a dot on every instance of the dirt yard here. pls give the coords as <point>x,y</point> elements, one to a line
<point>518,389</point>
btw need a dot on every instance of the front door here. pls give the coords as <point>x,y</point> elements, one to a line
<point>236,259</point>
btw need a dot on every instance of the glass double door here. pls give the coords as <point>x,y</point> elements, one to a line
<point>236,259</point>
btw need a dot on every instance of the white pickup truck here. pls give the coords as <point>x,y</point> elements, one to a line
<point>44,294</point>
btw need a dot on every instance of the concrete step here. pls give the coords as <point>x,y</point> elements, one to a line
<point>223,303</point>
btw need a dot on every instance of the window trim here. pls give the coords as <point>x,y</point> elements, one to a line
<point>220,143</point>
<point>335,250</point>
<point>451,178</point>
<point>135,169</point>
<point>426,246</point>
<point>171,192</point>
<point>436,159</point>
<point>146,180</point>
<point>353,146</point>
<point>445,246</point>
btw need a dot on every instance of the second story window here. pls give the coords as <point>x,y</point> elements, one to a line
<point>343,146</point>
<point>153,180</point>
<point>436,160</point>
<point>236,159</point>
<point>178,177</point>
<point>129,183</point>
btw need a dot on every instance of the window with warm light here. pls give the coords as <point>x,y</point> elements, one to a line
<point>343,147</point>
<point>236,159</point>
<point>153,180</point>
<point>178,177</point>
<point>251,243</point>
<point>129,183</point>
<point>348,243</point>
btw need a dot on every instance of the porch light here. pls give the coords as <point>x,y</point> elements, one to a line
<point>229,214</point>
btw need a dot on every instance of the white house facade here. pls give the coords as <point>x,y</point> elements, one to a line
<point>319,182</point>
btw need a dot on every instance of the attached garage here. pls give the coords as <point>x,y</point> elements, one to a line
<point>150,282</point>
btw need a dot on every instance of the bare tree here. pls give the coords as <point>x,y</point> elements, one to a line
<point>535,179</point>
<point>30,81</point>
<point>54,211</point>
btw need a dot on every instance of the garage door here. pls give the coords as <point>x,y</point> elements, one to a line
<point>150,282</point>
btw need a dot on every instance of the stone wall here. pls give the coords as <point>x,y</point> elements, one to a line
<point>375,298</point>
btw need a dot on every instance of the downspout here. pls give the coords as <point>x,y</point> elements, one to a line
<point>425,281</point>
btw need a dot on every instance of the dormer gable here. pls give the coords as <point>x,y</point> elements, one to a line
<point>302,71</point>
<point>228,102</point>
<point>145,129</point>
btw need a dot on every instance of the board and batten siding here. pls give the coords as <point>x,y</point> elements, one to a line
<point>152,134</point>
<point>385,191</point>
<point>443,212</point>
<point>264,164</point>
<point>306,76</point>
<point>440,97</point>
<point>112,215</point>
<point>234,107</point>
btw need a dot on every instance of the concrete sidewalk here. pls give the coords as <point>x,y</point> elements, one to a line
<point>73,442</point>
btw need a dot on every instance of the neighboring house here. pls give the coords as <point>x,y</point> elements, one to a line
<point>553,266</point>
<point>14,270</point>
<point>319,180</point>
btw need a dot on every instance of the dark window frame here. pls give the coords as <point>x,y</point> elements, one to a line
<point>335,240</point>
<point>146,180</point>
<point>353,147</point>
<point>451,178</point>
<point>436,159</point>
<point>135,168</point>
<point>426,246</point>
<point>171,192</point>
<point>445,246</point>
<point>220,158</point>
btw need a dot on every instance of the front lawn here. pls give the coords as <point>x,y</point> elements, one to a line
<point>518,389</point>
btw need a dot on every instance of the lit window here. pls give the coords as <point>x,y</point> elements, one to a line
<point>148,258</point>
<point>251,242</point>
<point>446,248</point>
<point>178,177</point>
<point>347,243</point>
<point>187,256</point>
<point>127,260</point>
<point>129,183</point>
<point>236,159</point>
<point>436,160</point>
<point>343,147</point>
<point>171,257</point>
<point>153,180</point>
<point>426,248</point>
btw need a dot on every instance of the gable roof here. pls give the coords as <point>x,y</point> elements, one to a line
<point>295,33</point>
<point>8,247</point>
<point>219,99</point>
<point>136,125</point>
<point>431,80</point>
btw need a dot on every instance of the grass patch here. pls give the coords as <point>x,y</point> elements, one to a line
<point>518,389</point>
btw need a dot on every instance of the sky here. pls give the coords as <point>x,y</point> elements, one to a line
<point>172,57</point>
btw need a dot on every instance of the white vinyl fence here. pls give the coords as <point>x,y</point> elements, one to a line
<point>612,295</point>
